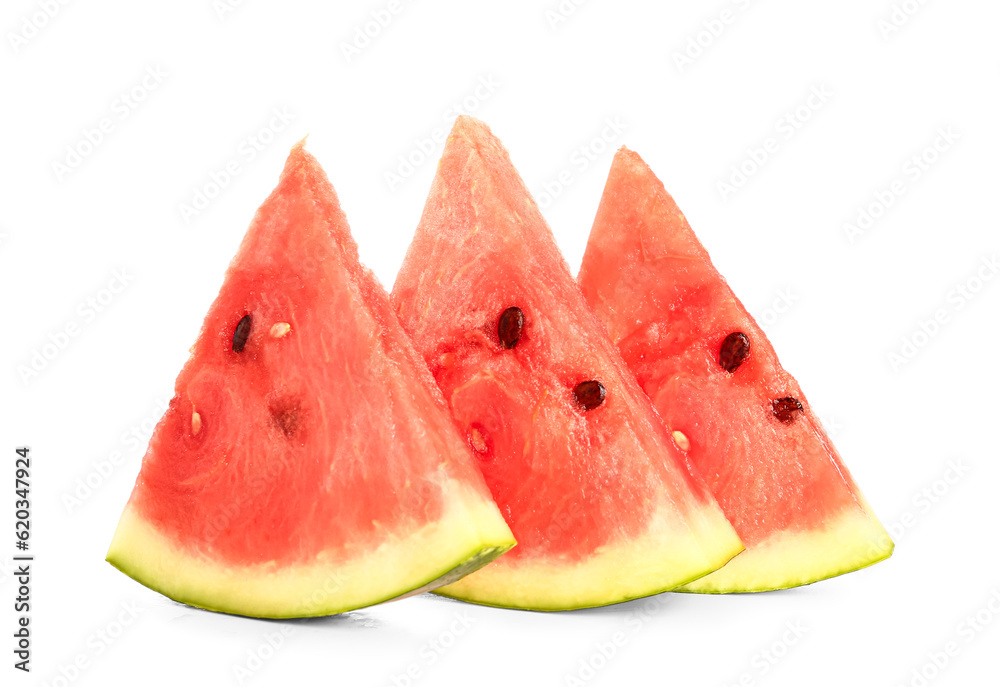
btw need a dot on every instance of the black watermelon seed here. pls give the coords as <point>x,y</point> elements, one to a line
<point>734,350</point>
<point>787,409</point>
<point>509,327</point>
<point>241,334</point>
<point>589,394</point>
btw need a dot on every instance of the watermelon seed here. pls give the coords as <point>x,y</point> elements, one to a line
<point>279,329</point>
<point>787,409</point>
<point>195,422</point>
<point>477,440</point>
<point>734,350</point>
<point>589,394</point>
<point>241,334</point>
<point>681,440</point>
<point>509,327</point>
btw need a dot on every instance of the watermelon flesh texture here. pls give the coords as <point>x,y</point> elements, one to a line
<point>601,504</point>
<point>783,486</point>
<point>317,470</point>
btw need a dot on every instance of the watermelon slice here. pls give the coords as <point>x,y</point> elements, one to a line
<point>717,383</point>
<point>307,463</point>
<point>602,505</point>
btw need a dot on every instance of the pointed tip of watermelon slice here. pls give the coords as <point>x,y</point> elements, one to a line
<point>469,131</point>
<point>628,164</point>
<point>625,152</point>
<point>300,158</point>
<point>468,124</point>
<point>472,137</point>
<point>637,217</point>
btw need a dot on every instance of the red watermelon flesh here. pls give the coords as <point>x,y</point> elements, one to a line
<point>750,431</point>
<point>307,463</point>
<point>601,503</point>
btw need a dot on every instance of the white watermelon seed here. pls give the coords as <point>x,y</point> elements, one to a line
<point>681,440</point>
<point>279,329</point>
<point>195,422</point>
<point>477,440</point>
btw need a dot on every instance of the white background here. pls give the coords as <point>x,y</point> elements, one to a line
<point>779,238</point>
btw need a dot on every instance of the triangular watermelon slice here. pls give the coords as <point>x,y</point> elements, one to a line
<point>718,385</point>
<point>307,464</point>
<point>603,506</point>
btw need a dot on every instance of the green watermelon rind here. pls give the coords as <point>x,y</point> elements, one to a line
<point>146,556</point>
<point>667,555</point>
<point>476,560</point>
<point>690,589</point>
<point>867,543</point>
<point>541,609</point>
